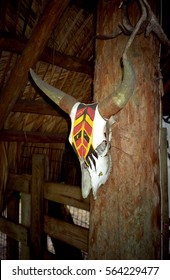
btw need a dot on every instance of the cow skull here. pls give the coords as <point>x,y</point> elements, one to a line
<point>90,134</point>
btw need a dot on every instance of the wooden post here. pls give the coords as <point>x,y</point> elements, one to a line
<point>125,219</point>
<point>25,220</point>
<point>3,174</point>
<point>39,174</point>
<point>13,216</point>
<point>164,194</point>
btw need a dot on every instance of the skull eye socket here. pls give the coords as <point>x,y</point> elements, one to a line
<point>102,147</point>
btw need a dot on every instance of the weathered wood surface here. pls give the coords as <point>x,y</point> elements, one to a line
<point>65,194</point>
<point>69,233</point>
<point>20,183</point>
<point>17,44</point>
<point>19,75</point>
<point>35,192</point>
<point>31,137</point>
<point>38,107</point>
<point>25,221</point>
<point>39,174</point>
<point>15,231</point>
<point>3,174</point>
<point>13,216</point>
<point>164,195</point>
<point>125,219</point>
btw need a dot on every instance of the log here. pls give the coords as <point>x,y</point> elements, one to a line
<point>65,194</point>
<point>34,48</point>
<point>66,232</point>
<point>39,175</point>
<point>164,194</point>
<point>19,183</point>
<point>38,107</point>
<point>125,217</point>
<point>31,137</point>
<point>16,44</point>
<point>15,231</point>
<point>13,216</point>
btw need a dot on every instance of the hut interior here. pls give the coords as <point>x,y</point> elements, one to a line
<point>57,40</point>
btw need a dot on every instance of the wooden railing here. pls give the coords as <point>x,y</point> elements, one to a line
<point>34,224</point>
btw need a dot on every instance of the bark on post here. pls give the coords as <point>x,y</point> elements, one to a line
<point>125,218</point>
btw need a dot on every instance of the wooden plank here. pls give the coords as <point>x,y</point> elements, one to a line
<point>3,174</point>
<point>69,233</point>
<point>65,194</point>
<point>39,37</point>
<point>164,195</point>
<point>20,183</point>
<point>39,107</point>
<point>31,137</point>
<point>25,220</point>
<point>13,216</point>
<point>15,44</point>
<point>15,231</point>
<point>39,172</point>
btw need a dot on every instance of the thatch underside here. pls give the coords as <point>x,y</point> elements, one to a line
<point>71,41</point>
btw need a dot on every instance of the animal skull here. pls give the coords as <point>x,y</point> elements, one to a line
<point>90,134</point>
<point>90,137</point>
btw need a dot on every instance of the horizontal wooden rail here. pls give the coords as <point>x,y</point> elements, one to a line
<point>69,233</point>
<point>65,194</point>
<point>20,183</point>
<point>15,231</point>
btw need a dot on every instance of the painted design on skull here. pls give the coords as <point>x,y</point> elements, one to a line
<point>82,134</point>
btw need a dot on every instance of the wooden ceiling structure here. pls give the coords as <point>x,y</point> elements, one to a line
<point>57,39</point>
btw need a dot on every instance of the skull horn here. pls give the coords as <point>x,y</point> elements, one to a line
<point>63,100</point>
<point>116,101</point>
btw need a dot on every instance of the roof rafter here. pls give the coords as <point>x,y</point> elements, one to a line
<point>16,44</point>
<point>33,50</point>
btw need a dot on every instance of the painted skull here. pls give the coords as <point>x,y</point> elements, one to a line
<point>90,138</point>
<point>90,134</point>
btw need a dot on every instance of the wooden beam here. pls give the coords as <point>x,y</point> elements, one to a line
<point>31,137</point>
<point>33,50</point>
<point>72,234</point>
<point>39,174</point>
<point>38,107</point>
<point>65,194</point>
<point>14,230</point>
<point>16,44</point>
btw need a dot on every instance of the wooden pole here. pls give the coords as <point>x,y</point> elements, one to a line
<point>17,44</point>
<point>39,175</point>
<point>19,75</point>
<point>125,219</point>
<point>164,195</point>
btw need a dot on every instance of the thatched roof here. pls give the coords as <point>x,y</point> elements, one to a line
<point>66,60</point>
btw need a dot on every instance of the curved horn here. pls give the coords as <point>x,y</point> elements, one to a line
<point>117,100</point>
<point>63,100</point>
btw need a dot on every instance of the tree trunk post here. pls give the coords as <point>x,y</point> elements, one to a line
<point>125,220</point>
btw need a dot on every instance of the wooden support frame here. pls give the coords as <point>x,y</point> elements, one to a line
<point>35,224</point>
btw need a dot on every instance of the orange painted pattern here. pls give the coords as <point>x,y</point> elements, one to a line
<point>83,130</point>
